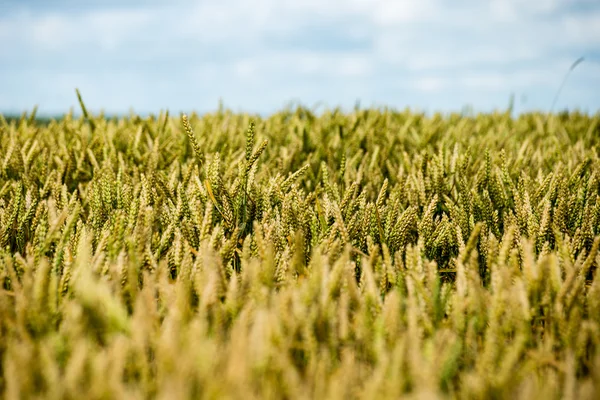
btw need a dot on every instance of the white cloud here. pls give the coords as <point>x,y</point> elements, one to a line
<point>486,81</point>
<point>355,66</point>
<point>390,12</point>
<point>302,63</point>
<point>583,29</point>
<point>285,48</point>
<point>56,31</point>
<point>430,84</point>
<point>513,9</point>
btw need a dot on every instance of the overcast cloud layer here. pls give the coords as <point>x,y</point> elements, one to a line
<point>258,56</point>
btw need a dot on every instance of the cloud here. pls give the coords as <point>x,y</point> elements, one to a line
<point>258,55</point>
<point>583,30</point>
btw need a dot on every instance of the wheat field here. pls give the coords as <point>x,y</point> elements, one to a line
<point>374,253</point>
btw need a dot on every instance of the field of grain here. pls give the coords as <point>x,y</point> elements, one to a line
<point>367,254</point>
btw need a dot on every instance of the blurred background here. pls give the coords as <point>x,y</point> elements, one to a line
<point>262,55</point>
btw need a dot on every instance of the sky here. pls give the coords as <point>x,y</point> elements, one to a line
<point>263,55</point>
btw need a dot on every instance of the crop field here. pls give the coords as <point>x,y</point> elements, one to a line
<point>374,253</point>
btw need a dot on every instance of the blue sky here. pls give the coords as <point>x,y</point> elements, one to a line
<point>260,56</point>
